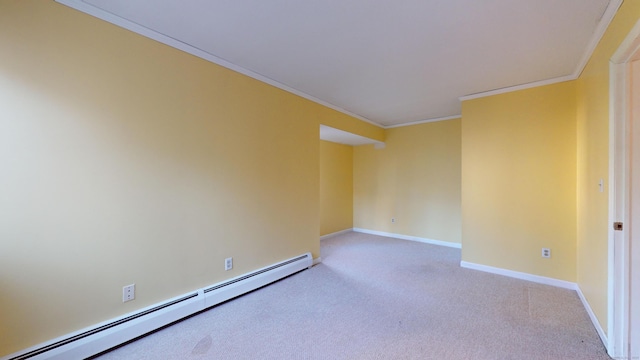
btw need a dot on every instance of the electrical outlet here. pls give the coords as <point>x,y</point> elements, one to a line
<point>546,253</point>
<point>228,264</point>
<point>393,220</point>
<point>128,292</point>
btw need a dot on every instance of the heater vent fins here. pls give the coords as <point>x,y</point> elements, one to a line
<point>255,273</point>
<point>101,328</point>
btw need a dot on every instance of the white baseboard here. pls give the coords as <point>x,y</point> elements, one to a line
<point>546,281</point>
<point>592,316</point>
<point>327,236</point>
<point>100,337</point>
<point>520,275</point>
<point>317,261</point>
<point>408,237</point>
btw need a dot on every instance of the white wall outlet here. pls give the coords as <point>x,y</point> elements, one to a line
<point>546,253</point>
<point>128,292</point>
<point>228,264</point>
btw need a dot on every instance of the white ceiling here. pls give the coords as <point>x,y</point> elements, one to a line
<point>387,62</point>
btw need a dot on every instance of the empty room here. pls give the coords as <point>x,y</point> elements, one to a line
<point>319,179</point>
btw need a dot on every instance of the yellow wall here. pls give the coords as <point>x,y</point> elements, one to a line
<point>336,187</point>
<point>519,180</point>
<point>593,162</point>
<point>414,179</point>
<point>126,161</point>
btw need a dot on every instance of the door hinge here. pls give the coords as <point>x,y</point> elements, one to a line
<point>617,226</point>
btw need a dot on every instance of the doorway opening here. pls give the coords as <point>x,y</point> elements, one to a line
<point>624,200</point>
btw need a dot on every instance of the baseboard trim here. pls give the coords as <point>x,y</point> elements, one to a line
<point>520,275</point>
<point>592,316</point>
<point>104,336</point>
<point>327,236</point>
<point>317,261</point>
<point>410,238</point>
<point>546,281</point>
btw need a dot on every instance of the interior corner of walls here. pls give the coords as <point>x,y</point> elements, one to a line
<point>500,131</point>
<point>592,316</point>
<point>337,233</point>
<point>389,183</point>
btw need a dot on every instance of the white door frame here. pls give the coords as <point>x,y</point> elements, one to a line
<point>618,344</point>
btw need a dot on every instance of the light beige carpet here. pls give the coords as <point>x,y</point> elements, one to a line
<point>380,298</point>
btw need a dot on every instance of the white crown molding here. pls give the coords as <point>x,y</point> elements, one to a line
<point>164,39</point>
<point>604,23</point>
<point>606,19</point>
<point>144,31</point>
<point>517,87</point>
<point>79,5</point>
<point>629,46</point>
<point>452,117</point>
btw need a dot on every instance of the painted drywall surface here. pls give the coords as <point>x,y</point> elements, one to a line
<point>593,163</point>
<point>126,161</point>
<point>519,181</point>
<point>336,187</point>
<point>415,180</point>
<point>338,120</point>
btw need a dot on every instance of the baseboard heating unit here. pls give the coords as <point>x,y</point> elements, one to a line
<point>106,335</point>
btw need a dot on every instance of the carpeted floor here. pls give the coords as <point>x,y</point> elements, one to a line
<point>379,298</point>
